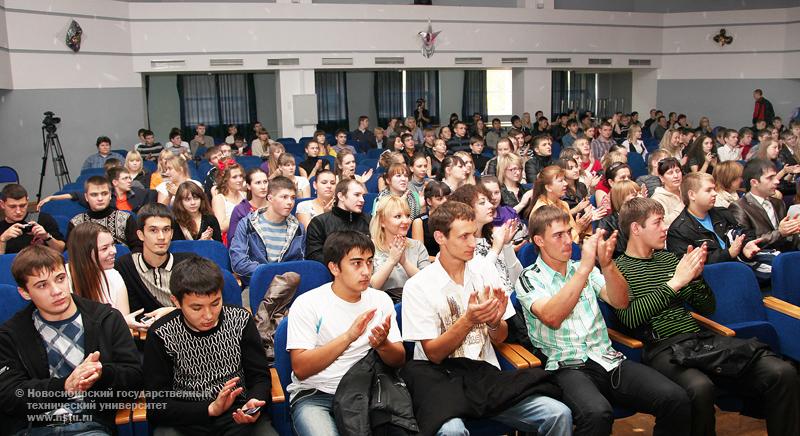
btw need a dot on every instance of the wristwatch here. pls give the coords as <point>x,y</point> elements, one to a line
<point>49,238</point>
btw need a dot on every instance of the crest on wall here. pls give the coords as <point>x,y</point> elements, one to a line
<point>74,36</point>
<point>722,38</point>
<point>428,39</point>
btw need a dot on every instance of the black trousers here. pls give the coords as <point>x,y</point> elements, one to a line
<point>770,380</point>
<point>589,391</point>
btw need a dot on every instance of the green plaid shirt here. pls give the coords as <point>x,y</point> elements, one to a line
<point>583,333</point>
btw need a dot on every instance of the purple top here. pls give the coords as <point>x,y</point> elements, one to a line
<point>240,211</point>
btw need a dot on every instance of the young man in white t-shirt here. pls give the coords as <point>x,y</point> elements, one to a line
<point>456,307</point>
<point>332,327</point>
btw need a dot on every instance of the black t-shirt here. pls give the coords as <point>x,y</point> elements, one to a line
<point>17,244</point>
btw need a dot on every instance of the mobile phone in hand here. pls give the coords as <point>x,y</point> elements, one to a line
<point>251,411</point>
<point>145,319</point>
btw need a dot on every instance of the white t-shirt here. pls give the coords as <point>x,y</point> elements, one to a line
<point>432,303</point>
<point>111,294</point>
<point>301,183</point>
<point>319,316</point>
<point>306,207</point>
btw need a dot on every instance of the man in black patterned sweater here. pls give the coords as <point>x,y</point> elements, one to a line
<point>661,287</point>
<point>205,365</point>
<point>122,225</point>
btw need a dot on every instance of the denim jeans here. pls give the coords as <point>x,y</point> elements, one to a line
<point>535,414</point>
<point>74,429</point>
<point>312,415</point>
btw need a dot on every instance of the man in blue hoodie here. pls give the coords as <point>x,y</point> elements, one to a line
<point>270,234</point>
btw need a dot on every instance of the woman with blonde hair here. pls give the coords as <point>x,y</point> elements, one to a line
<point>176,171</point>
<point>135,166</point>
<point>549,188</point>
<point>671,143</point>
<point>634,143</point>
<point>509,176</point>
<point>728,180</point>
<point>271,165</point>
<point>161,172</point>
<point>621,192</point>
<point>286,168</point>
<point>469,165</point>
<point>397,257</point>
<point>589,163</point>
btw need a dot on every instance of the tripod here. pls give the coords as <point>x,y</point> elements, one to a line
<point>52,145</point>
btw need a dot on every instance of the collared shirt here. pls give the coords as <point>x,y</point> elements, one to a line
<point>726,153</point>
<point>433,302</point>
<point>767,206</point>
<point>583,333</point>
<point>156,278</point>
<point>97,160</point>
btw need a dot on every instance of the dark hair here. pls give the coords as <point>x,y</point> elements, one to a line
<point>152,210</point>
<point>543,217</point>
<point>343,187</point>
<point>84,261</point>
<point>696,153</point>
<point>34,259</point>
<point>744,131</point>
<point>141,132</point>
<point>759,91</point>
<point>339,132</point>
<point>279,183</point>
<point>405,136</point>
<point>442,218</point>
<point>436,189</point>
<point>614,169</point>
<point>572,122</point>
<point>248,177</point>
<point>667,164</point>
<point>114,172</point>
<point>364,117</point>
<point>174,133</point>
<point>102,139</point>
<point>147,133</point>
<point>339,243</point>
<point>96,181</point>
<point>195,275</point>
<point>637,210</point>
<point>13,191</point>
<point>181,214</point>
<point>469,195</point>
<point>754,169</point>
<point>447,162</point>
<point>514,118</point>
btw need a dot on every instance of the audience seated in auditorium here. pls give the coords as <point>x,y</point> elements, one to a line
<point>661,288</point>
<point>124,195</point>
<point>577,194</point>
<point>542,147</point>
<point>492,243</point>
<point>701,155</point>
<point>177,146</point>
<point>135,166</point>
<point>150,149</point>
<point>415,130</point>
<point>622,192</point>
<point>469,166</point>
<point>548,190</point>
<point>418,176</point>
<point>341,143</point>
<point>270,234</point>
<point>509,175</point>
<point>380,138</point>
<point>147,274</point>
<point>652,180</point>
<point>648,123</point>
<point>324,185</point>
<point>91,271</point>
<point>211,396</point>
<point>494,134</point>
<point>435,194</point>
<point>460,139</point>
<point>287,168</point>
<point>410,147</point>
<point>233,130</point>
<point>728,181</point>
<point>397,257</point>
<point>476,146</point>
<point>669,193</point>
<point>20,229</point>
<point>313,163</point>
<point>701,222</point>
<point>257,187</point>
<point>59,350</point>
<point>559,301</point>
<point>346,167</point>
<point>272,153</point>
<point>589,162</point>
<point>200,139</point>
<point>730,150</point>
<point>602,144</point>
<point>193,216</point>
<point>746,136</point>
<point>436,157</point>
<point>230,183</point>
<point>397,185</point>
<point>571,133</point>
<point>213,156</point>
<point>176,171</point>
<point>97,193</point>
<point>346,214</point>
<point>103,154</point>
<point>453,172</point>
<point>661,126</point>
<point>362,133</point>
<point>760,214</point>
<point>457,308</point>
<point>333,327</point>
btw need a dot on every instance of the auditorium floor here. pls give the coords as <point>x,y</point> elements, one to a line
<point>728,424</point>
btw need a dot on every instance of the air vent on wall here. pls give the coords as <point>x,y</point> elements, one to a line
<point>639,62</point>
<point>394,60</point>
<point>337,61</point>
<point>226,62</point>
<point>167,63</point>
<point>469,61</point>
<point>283,61</point>
<point>599,61</point>
<point>514,60</point>
<point>559,60</point>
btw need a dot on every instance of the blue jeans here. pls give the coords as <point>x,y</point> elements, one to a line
<point>73,429</point>
<point>312,415</point>
<point>535,414</point>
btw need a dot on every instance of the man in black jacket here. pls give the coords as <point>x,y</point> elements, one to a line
<point>701,222</point>
<point>64,360</point>
<point>542,157</point>
<point>346,215</point>
<point>124,196</point>
<point>122,225</point>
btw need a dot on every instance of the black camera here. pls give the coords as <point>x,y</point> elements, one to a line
<point>49,122</point>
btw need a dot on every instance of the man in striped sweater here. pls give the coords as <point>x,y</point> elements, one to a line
<point>660,288</point>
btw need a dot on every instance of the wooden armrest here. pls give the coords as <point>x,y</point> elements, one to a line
<point>140,410</point>
<point>533,361</point>
<point>143,335</point>
<point>512,356</point>
<point>123,416</point>
<point>713,325</point>
<point>625,340</point>
<point>277,389</point>
<point>781,306</point>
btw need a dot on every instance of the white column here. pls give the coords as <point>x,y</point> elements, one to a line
<point>644,94</point>
<point>288,84</point>
<point>532,89</point>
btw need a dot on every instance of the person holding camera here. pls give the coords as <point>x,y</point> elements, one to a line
<point>421,114</point>
<point>20,229</point>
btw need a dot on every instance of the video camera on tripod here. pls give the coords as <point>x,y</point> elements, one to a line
<point>49,122</point>
<point>52,144</point>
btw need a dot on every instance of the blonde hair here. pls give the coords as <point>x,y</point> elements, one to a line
<point>632,132</point>
<point>725,173</point>
<point>666,140</point>
<point>177,163</point>
<point>162,160</point>
<point>504,162</point>
<point>133,155</point>
<point>620,191</point>
<point>613,157</point>
<point>386,206</point>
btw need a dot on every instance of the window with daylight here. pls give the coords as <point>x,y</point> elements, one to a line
<point>498,92</point>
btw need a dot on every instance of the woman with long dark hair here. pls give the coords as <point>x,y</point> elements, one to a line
<point>701,155</point>
<point>193,214</point>
<point>453,172</point>
<point>257,186</point>
<point>549,188</point>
